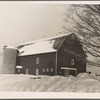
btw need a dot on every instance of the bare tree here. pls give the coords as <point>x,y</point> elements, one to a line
<point>86,23</point>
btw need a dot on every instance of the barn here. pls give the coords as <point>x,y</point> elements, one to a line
<point>60,55</point>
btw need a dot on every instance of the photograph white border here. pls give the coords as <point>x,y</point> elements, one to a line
<point>50,95</point>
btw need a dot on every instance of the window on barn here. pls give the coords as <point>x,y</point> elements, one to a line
<point>47,70</point>
<point>51,70</point>
<point>72,61</point>
<point>43,69</point>
<point>27,71</point>
<point>37,60</point>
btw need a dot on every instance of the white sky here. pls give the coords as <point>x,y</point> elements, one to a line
<point>21,22</point>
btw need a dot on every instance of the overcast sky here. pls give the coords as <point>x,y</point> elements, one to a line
<point>21,22</point>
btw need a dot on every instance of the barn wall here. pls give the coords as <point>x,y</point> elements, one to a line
<point>71,49</point>
<point>46,61</point>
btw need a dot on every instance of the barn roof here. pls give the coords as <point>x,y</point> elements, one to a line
<point>42,46</point>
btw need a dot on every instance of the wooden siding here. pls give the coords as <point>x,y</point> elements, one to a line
<point>46,64</point>
<point>71,49</point>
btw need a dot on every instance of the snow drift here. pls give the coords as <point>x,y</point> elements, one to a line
<point>31,83</point>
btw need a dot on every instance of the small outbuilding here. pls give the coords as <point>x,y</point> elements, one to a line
<point>60,55</point>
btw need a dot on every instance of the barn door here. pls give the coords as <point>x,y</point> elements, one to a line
<point>37,71</point>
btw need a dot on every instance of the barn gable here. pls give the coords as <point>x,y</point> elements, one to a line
<point>71,55</point>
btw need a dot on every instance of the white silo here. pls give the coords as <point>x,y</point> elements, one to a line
<point>9,60</point>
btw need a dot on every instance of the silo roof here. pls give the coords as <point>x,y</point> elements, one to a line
<point>12,47</point>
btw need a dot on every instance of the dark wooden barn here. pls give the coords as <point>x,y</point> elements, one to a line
<point>52,56</point>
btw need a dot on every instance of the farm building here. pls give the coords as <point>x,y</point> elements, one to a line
<point>52,56</point>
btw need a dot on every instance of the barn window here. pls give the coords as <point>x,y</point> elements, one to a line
<point>43,69</point>
<point>51,69</point>
<point>47,70</point>
<point>37,60</point>
<point>72,61</point>
<point>27,71</point>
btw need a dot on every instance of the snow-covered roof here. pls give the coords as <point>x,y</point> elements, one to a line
<point>68,68</point>
<point>38,47</point>
<point>19,67</point>
<point>11,47</point>
<point>41,46</point>
<point>39,40</point>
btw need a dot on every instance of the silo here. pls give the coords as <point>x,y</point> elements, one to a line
<point>9,60</point>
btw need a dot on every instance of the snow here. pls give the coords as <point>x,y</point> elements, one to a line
<point>93,69</point>
<point>19,67</point>
<point>68,68</point>
<point>38,47</point>
<point>11,47</point>
<point>30,83</point>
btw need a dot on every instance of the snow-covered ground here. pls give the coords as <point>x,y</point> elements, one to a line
<point>93,69</point>
<point>30,83</point>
